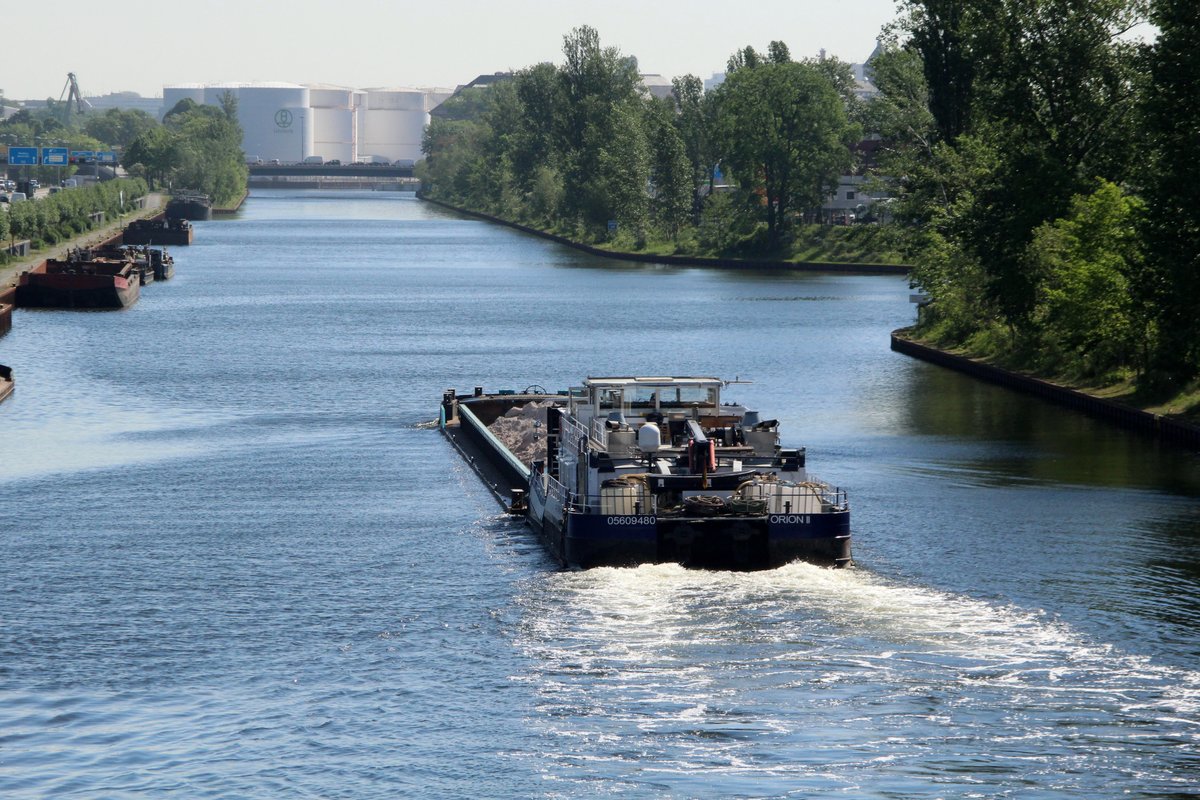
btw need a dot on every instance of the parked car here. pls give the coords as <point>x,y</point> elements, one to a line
<point>333,162</point>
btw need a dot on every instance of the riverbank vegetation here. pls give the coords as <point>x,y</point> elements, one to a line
<point>58,217</point>
<point>1039,156</point>
<point>197,148</point>
<point>583,151</point>
<point>1045,161</point>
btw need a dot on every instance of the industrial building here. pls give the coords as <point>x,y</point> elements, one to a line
<point>292,122</point>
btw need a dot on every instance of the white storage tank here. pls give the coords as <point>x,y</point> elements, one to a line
<point>394,123</point>
<point>335,121</point>
<point>276,118</point>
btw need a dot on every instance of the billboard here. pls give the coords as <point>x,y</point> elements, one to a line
<point>22,155</point>
<point>54,156</point>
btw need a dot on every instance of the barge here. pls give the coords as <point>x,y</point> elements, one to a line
<point>154,263</point>
<point>189,206</point>
<point>6,382</point>
<point>80,282</point>
<point>159,231</point>
<point>630,470</point>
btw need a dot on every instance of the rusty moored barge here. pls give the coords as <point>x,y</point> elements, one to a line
<point>80,282</point>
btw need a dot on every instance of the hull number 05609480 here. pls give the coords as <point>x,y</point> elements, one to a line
<point>630,520</point>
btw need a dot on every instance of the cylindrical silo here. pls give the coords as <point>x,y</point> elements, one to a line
<point>393,124</point>
<point>334,124</point>
<point>276,119</point>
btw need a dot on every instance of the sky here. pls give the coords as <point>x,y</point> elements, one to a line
<point>142,45</point>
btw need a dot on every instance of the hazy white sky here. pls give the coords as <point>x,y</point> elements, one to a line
<point>140,45</point>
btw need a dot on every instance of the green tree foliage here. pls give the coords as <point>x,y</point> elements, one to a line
<point>158,151</point>
<point>1171,226</point>
<point>1087,319</point>
<point>118,128</point>
<point>198,148</point>
<point>577,146</point>
<point>49,220</point>
<point>996,115</point>
<point>784,132</point>
<point>695,124</point>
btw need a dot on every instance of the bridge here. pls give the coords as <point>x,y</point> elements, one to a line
<point>329,171</point>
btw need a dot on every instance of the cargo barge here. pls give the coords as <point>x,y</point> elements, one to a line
<point>189,206</point>
<point>80,282</point>
<point>154,263</point>
<point>631,470</point>
<point>160,231</point>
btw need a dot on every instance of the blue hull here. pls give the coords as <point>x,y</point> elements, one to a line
<point>742,543</point>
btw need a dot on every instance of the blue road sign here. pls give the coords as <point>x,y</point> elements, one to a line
<point>106,156</point>
<point>83,155</point>
<point>54,156</point>
<point>22,155</point>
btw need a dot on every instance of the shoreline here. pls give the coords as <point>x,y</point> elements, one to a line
<point>685,261</point>
<point>155,202</point>
<point>1161,427</point>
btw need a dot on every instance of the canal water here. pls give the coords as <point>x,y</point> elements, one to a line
<point>238,561</point>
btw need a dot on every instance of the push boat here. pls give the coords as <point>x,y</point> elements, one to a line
<point>631,470</point>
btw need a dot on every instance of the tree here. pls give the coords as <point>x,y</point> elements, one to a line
<point>671,173</point>
<point>159,152</point>
<point>599,86</point>
<point>1171,226</point>
<point>1088,319</point>
<point>783,130</point>
<point>694,122</point>
<point>119,128</point>
<point>938,31</point>
<point>1037,97</point>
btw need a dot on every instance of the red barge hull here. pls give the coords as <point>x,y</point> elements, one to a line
<point>92,284</point>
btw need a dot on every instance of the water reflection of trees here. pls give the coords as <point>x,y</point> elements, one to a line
<point>1041,441</point>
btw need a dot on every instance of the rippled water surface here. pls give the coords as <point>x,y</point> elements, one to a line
<point>238,562</point>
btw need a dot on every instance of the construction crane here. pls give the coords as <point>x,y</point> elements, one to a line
<point>72,93</point>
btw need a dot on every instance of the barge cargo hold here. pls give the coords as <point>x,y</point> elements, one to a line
<point>631,470</point>
<point>78,283</point>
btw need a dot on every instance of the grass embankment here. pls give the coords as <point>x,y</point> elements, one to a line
<point>821,244</point>
<point>1182,405</point>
